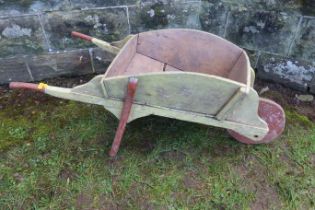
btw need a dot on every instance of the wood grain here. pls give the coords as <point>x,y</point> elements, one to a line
<point>123,59</point>
<point>140,64</point>
<point>240,69</point>
<point>170,68</point>
<point>177,90</point>
<point>190,50</point>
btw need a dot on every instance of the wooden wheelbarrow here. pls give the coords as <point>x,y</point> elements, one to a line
<point>178,73</point>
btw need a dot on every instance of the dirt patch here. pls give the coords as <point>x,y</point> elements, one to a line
<point>312,159</point>
<point>136,195</point>
<point>190,181</point>
<point>106,204</point>
<point>223,150</point>
<point>84,201</point>
<point>67,174</point>
<point>266,198</point>
<point>254,174</point>
<point>173,155</point>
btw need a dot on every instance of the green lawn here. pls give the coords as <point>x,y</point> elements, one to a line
<point>54,156</point>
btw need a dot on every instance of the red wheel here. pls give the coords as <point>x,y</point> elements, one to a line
<point>273,114</point>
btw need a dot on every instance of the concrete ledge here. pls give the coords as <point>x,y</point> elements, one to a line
<point>49,65</point>
<point>293,73</point>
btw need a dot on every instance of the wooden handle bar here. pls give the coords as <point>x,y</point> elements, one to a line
<point>28,86</point>
<point>81,36</point>
<point>100,43</point>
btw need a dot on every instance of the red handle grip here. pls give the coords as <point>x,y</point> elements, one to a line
<point>81,36</point>
<point>26,86</point>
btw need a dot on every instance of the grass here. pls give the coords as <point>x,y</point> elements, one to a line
<point>54,156</point>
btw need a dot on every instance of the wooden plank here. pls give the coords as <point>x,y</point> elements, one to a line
<point>231,103</point>
<point>141,64</point>
<point>187,91</point>
<point>170,68</point>
<point>122,60</point>
<point>243,118</point>
<point>252,77</point>
<point>190,50</point>
<point>253,127</point>
<point>239,70</point>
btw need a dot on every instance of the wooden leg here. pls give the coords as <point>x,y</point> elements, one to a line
<point>131,90</point>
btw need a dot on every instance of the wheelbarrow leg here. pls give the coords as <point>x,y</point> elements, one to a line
<point>131,90</point>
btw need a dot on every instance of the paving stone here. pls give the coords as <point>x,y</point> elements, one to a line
<point>21,35</point>
<point>76,62</point>
<point>213,16</point>
<point>253,56</point>
<point>312,85</point>
<point>286,5</point>
<point>101,60</point>
<point>296,7</point>
<point>304,44</point>
<point>11,7</point>
<point>263,5</point>
<point>305,98</point>
<point>259,30</point>
<point>109,24</point>
<point>296,74</point>
<point>13,69</point>
<point>102,3</point>
<point>166,1</point>
<point>308,7</point>
<point>164,15</point>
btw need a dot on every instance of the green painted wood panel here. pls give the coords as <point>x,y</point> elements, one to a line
<point>185,91</point>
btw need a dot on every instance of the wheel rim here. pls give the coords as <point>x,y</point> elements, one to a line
<point>273,114</point>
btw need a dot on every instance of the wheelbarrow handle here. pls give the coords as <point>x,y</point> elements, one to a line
<point>81,36</point>
<point>100,43</point>
<point>28,86</point>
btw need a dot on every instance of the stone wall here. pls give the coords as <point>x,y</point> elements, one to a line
<point>35,41</point>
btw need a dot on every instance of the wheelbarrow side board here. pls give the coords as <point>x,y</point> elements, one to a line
<point>182,74</point>
<point>178,95</point>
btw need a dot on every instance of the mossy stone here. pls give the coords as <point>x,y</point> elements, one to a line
<point>304,44</point>
<point>31,6</point>
<point>21,35</point>
<point>159,15</point>
<point>74,62</point>
<point>293,73</point>
<point>13,69</point>
<point>109,24</point>
<point>213,17</point>
<point>102,3</point>
<point>260,30</point>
